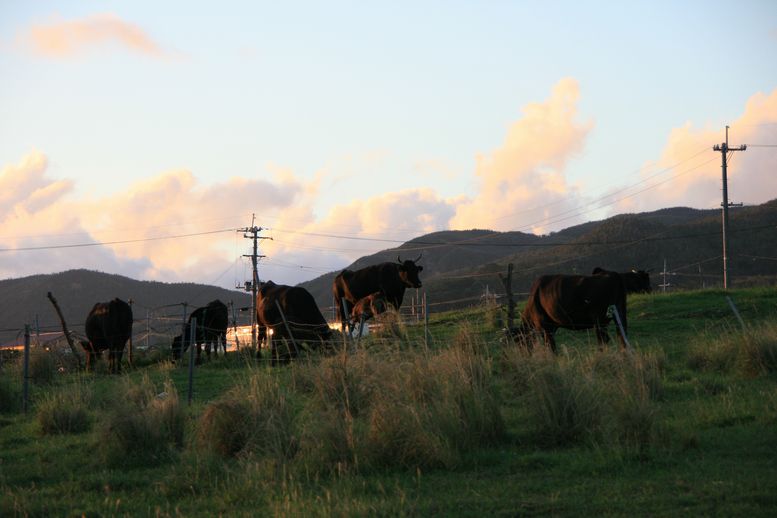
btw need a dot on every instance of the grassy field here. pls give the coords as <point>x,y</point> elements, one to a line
<point>464,425</point>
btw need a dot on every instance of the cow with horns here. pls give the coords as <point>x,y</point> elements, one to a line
<point>391,279</point>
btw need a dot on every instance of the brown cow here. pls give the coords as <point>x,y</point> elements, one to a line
<point>573,302</point>
<point>301,315</point>
<point>368,307</point>
<point>349,287</point>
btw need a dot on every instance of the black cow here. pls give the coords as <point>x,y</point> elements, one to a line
<point>301,315</point>
<point>573,302</point>
<point>212,322</point>
<point>635,281</point>
<point>108,326</point>
<point>390,278</point>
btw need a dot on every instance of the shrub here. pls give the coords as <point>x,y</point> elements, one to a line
<point>65,411</point>
<point>251,419</point>
<point>148,427</point>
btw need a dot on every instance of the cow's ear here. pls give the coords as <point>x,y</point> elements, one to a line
<point>419,268</point>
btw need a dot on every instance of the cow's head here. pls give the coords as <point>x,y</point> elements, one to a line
<point>639,281</point>
<point>408,272</point>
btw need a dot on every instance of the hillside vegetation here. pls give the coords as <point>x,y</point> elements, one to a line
<point>460,265</point>
<point>456,422</point>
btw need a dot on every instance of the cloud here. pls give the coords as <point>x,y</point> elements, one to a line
<point>67,38</point>
<point>692,174</point>
<point>528,170</point>
<point>25,189</point>
<point>37,213</point>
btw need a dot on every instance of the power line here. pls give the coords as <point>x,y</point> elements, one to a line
<point>108,243</point>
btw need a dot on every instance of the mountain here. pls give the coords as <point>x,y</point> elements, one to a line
<point>462,265</point>
<point>459,266</point>
<point>24,299</point>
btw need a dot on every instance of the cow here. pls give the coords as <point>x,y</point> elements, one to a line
<point>573,302</point>
<point>212,321</point>
<point>635,281</point>
<point>108,326</point>
<point>298,311</point>
<point>368,307</point>
<point>390,278</point>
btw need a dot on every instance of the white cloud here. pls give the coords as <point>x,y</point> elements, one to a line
<point>528,170</point>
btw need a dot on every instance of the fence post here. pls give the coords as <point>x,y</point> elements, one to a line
<point>192,345</point>
<point>508,285</point>
<point>26,369</point>
<point>286,325</point>
<point>620,327</point>
<point>426,321</point>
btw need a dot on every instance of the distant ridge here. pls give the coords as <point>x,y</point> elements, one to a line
<point>23,299</point>
<point>464,264</point>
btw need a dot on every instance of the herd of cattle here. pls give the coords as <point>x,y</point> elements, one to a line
<point>290,314</point>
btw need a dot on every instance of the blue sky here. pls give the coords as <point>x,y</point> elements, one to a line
<point>376,120</point>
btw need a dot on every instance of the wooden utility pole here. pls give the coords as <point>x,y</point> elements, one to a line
<point>508,285</point>
<point>65,331</point>
<point>724,150</point>
<point>252,232</point>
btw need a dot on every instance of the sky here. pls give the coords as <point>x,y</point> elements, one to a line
<point>136,137</point>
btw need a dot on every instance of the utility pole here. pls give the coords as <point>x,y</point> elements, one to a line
<point>252,232</point>
<point>724,150</point>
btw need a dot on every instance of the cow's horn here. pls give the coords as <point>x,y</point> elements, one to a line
<point>418,258</point>
<point>399,260</point>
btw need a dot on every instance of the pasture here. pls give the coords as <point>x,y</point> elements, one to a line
<point>462,425</point>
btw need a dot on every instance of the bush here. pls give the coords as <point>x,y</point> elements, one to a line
<point>65,411</point>
<point>147,429</point>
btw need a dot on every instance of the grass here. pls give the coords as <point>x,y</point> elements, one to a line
<point>466,426</point>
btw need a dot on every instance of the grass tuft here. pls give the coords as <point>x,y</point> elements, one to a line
<point>65,411</point>
<point>147,429</point>
<point>252,419</point>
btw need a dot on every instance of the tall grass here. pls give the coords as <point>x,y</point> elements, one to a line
<point>252,419</point>
<point>752,352</point>
<point>148,426</point>
<point>602,397</point>
<point>398,409</point>
<point>10,391</point>
<point>65,410</point>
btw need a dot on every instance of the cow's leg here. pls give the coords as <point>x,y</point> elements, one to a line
<point>601,334</point>
<point>550,339</point>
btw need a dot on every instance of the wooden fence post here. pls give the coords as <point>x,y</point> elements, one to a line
<point>736,312</point>
<point>192,340</point>
<point>26,369</point>
<point>286,325</point>
<point>507,282</point>
<point>620,327</point>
